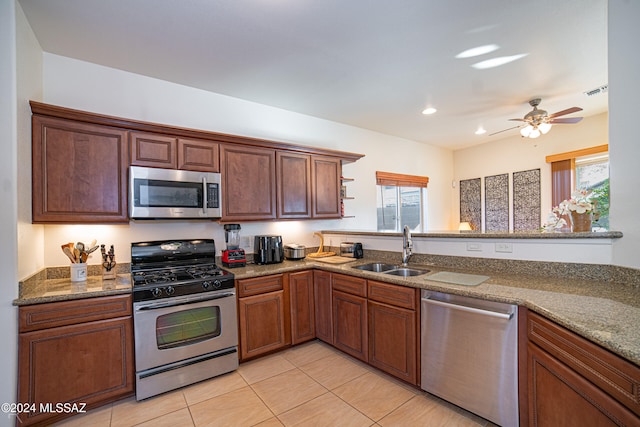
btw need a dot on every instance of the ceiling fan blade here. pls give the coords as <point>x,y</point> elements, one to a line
<point>566,120</point>
<point>565,112</point>
<point>504,130</point>
<point>518,120</point>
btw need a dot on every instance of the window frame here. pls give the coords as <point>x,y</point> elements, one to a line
<point>390,179</point>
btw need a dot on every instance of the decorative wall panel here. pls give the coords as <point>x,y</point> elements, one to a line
<point>526,200</point>
<point>496,202</point>
<point>470,202</point>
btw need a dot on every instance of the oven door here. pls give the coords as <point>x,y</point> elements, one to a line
<point>180,328</point>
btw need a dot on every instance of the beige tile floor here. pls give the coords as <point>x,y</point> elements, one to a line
<point>308,385</point>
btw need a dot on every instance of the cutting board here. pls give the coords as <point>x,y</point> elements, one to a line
<point>335,259</point>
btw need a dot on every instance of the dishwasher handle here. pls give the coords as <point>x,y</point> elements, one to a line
<point>468,309</point>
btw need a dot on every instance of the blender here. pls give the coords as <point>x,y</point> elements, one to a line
<point>233,255</point>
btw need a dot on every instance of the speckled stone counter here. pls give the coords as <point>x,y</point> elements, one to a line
<point>54,284</point>
<point>602,310</point>
<point>599,302</point>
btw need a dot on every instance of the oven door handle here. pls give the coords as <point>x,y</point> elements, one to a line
<point>183,302</point>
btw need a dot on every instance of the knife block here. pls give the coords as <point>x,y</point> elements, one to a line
<point>109,271</point>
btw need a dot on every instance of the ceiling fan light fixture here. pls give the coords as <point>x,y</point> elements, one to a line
<point>544,128</point>
<point>534,133</point>
<point>526,131</point>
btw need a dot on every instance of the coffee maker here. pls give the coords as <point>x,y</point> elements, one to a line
<point>233,255</point>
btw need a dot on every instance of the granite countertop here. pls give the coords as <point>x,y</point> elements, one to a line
<point>602,310</point>
<point>605,312</point>
<point>456,234</point>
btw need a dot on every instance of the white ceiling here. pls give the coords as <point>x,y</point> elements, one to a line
<point>374,64</point>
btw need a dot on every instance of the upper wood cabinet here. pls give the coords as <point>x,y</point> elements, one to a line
<point>198,155</point>
<point>293,185</point>
<point>325,172</point>
<point>248,183</point>
<point>170,152</point>
<point>149,149</point>
<point>79,172</point>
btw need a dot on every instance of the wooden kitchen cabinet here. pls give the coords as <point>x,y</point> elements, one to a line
<point>198,155</point>
<point>301,289</point>
<point>393,330</point>
<point>293,185</point>
<point>153,150</point>
<point>323,305</point>
<point>350,315</point>
<point>325,172</point>
<point>74,352</point>
<point>79,172</point>
<point>573,382</point>
<point>263,315</point>
<point>248,183</point>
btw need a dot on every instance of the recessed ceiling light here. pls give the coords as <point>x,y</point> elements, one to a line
<point>429,110</point>
<point>477,51</point>
<point>481,131</point>
<point>496,62</point>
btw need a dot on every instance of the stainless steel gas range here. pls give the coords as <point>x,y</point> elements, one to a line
<point>184,311</point>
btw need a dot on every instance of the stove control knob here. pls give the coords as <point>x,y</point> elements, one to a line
<point>206,285</point>
<point>156,292</point>
<point>170,290</point>
<point>217,284</point>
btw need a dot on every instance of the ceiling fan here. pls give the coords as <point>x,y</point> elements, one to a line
<point>539,121</point>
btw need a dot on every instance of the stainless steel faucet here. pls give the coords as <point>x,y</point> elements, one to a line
<point>407,245</point>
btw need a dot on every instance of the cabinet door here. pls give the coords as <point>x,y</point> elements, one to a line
<point>350,324</point>
<point>393,340</point>
<point>198,155</point>
<point>322,296</point>
<point>325,172</point>
<point>294,185</point>
<point>248,183</point>
<point>302,307</point>
<point>154,150</point>
<point>79,172</point>
<point>262,324</point>
<point>558,396</point>
<point>88,363</point>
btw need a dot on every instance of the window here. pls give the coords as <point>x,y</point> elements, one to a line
<point>583,169</point>
<point>401,200</point>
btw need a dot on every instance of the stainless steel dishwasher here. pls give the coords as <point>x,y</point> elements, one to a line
<point>470,354</point>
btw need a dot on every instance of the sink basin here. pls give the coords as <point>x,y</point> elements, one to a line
<point>406,272</point>
<point>376,267</point>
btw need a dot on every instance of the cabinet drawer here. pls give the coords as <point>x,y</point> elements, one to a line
<point>259,285</point>
<point>49,315</point>
<point>393,294</point>
<point>614,375</point>
<point>350,285</point>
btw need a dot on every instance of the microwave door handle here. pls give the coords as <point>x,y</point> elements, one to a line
<point>204,195</point>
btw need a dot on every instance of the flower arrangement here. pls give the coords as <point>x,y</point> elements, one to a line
<point>580,202</point>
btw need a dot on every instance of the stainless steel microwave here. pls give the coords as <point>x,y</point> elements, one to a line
<point>173,194</point>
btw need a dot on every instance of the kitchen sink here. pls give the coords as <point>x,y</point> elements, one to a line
<point>406,272</point>
<point>377,267</point>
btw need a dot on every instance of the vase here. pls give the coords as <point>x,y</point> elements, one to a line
<point>580,222</point>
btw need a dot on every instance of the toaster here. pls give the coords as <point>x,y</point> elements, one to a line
<point>268,250</point>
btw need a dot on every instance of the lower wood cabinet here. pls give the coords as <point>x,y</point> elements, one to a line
<point>393,330</point>
<point>573,382</point>
<point>350,315</point>
<point>323,305</point>
<point>263,315</point>
<point>75,352</point>
<point>302,307</point>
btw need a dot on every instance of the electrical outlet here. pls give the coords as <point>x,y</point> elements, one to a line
<point>504,247</point>
<point>247,242</point>
<point>476,247</point>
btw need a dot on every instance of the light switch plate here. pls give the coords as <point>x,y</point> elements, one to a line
<point>504,247</point>
<point>475,247</point>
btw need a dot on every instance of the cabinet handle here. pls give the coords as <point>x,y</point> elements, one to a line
<point>468,309</point>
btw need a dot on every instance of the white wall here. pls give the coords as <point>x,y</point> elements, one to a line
<point>515,154</point>
<point>8,213</point>
<point>624,69</point>
<point>90,87</point>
